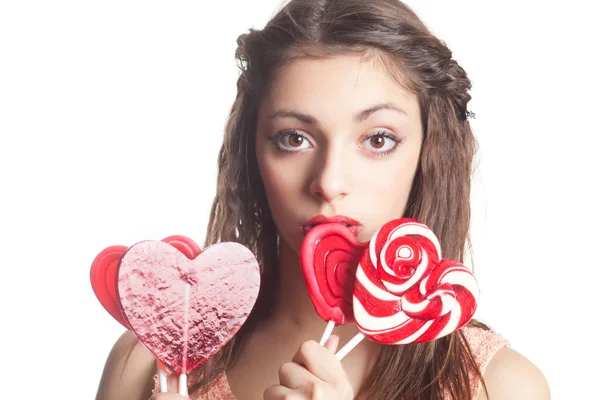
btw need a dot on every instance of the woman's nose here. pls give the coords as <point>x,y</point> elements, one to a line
<point>331,178</point>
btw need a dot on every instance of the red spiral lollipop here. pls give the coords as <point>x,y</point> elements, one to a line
<point>329,256</point>
<point>405,293</point>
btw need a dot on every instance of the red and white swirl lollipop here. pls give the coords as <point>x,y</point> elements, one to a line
<point>405,292</point>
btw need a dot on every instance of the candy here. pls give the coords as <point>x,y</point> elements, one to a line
<point>103,273</point>
<point>405,293</point>
<point>329,256</point>
<point>185,310</point>
<point>103,276</point>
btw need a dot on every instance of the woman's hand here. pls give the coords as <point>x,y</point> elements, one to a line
<point>313,374</point>
<point>172,386</point>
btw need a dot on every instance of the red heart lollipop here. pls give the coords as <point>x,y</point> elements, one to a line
<point>404,293</point>
<point>103,273</point>
<point>185,310</point>
<point>329,256</point>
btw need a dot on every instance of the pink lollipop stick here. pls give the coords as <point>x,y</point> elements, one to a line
<point>405,292</point>
<point>329,256</point>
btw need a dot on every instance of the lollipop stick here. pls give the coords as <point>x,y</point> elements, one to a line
<point>183,385</point>
<point>186,326</point>
<point>327,333</point>
<point>350,345</point>
<point>162,378</point>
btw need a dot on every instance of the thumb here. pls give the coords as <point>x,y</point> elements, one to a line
<point>332,343</point>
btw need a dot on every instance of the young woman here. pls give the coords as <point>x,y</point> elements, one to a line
<point>349,109</point>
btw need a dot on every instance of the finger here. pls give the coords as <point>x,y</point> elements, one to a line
<point>321,362</point>
<point>332,343</point>
<point>318,392</point>
<point>294,376</point>
<point>323,391</point>
<point>278,392</point>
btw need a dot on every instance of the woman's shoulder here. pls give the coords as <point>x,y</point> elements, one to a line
<point>511,376</point>
<point>128,371</point>
<point>484,343</point>
<point>507,373</point>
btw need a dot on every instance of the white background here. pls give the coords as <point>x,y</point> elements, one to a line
<point>112,113</point>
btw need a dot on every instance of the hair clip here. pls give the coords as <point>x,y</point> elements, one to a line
<point>470,114</point>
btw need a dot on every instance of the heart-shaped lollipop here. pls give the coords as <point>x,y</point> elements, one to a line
<point>103,276</point>
<point>405,293</point>
<point>329,257</point>
<point>185,310</point>
<point>103,272</point>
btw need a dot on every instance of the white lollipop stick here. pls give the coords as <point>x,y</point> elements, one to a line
<point>350,345</point>
<point>162,379</point>
<point>186,326</point>
<point>327,333</point>
<point>183,385</point>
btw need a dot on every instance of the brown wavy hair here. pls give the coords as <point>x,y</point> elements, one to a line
<point>440,195</point>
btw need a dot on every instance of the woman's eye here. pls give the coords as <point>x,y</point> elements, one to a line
<point>377,141</point>
<point>295,140</point>
<point>381,143</point>
<point>288,141</point>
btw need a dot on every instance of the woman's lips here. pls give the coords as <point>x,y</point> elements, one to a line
<point>352,224</point>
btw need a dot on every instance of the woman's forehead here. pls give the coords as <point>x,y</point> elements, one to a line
<point>344,82</point>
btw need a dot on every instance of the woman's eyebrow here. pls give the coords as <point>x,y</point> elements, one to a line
<point>359,117</point>
<point>364,114</point>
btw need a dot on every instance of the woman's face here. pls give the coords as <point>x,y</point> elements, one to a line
<point>336,137</point>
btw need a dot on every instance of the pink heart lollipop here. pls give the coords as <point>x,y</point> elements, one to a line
<point>404,293</point>
<point>185,310</point>
<point>103,272</point>
<point>329,257</point>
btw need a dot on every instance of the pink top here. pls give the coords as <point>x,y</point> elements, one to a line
<point>483,343</point>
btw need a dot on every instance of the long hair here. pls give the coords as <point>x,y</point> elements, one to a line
<point>439,197</point>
